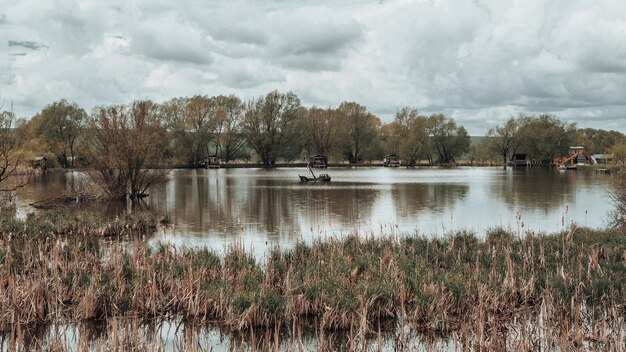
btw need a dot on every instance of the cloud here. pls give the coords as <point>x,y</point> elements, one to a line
<point>479,61</point>
<point>169,38</point>
<point>27,44</point>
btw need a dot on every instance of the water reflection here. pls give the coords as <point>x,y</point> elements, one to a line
<point>268,207</point>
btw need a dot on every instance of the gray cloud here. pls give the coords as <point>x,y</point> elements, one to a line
<point>27,44</point>
<point>479,61</point>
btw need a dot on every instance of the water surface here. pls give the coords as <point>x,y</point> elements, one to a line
<point>260,208</point>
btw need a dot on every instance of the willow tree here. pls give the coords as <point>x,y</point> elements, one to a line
<point>504,139</point>
<point>408,135</point>
<point>324,129</point>
<point>362,129</point>
<point>200,122</point>
<point>448,139</point>
<point>270,125</point>
<point>545,136</point>
<point>123,144</point>
<point>228,119</point>
<point>62,123</point>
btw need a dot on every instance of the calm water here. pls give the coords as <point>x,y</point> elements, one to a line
<point>261,208</point>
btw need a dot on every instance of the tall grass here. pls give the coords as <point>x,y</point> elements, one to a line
<point>566,290</point>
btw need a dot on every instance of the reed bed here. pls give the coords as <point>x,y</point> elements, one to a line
<point>566,290</point>
<point>62,222</point>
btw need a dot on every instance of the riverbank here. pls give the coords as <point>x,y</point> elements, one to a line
<point>573,283</point>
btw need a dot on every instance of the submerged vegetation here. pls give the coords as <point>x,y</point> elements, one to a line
<point>566,289</point>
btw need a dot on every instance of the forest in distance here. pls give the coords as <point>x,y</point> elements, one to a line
<point>120,144</point>
<point>278,128</point>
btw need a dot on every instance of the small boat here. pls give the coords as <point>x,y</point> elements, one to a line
<point>320,178</point>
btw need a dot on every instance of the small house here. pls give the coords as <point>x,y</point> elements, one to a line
<point>603,158</point>
<point>519,159</point>
<point>319,161</point>
<point>212,162</point>
<point>391,160</point>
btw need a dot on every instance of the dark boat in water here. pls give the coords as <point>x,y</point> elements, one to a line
<point>320,178</point>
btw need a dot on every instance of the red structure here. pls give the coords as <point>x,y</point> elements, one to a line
<point>577,155</point>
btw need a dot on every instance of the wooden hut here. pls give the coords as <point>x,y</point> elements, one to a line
<point>318,161</point>
<point>212,162</point>
<point>519,159</point>
<point>391,160</point>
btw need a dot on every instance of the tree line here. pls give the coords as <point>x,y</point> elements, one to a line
<point>119,143</point>
<point>277,127</point>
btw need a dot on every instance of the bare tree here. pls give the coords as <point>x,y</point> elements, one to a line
<point>618,196</point>
<point>10,158</point>
<point>228,119</point>
<point>122,144</point>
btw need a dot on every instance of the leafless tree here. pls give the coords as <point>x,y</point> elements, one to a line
<point>618,196</point>
<point>124,144</point>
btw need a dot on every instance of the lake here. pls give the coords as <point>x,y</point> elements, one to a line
<point>259,208</point>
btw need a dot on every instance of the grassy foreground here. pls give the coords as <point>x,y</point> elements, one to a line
<point>573,283</point>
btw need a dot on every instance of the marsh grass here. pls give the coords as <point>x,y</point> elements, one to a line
<point>566,290</point>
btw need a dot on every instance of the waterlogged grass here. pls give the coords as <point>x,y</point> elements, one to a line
<point>574,283</point>
<point>63,222</point>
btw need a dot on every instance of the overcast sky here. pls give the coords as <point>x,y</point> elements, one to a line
<point>479,61</point>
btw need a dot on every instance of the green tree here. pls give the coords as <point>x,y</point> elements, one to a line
<point>545,137</point>
<point>598,140</point>
<point>200,121</point>
<point>324,129</point>
<point>172,115</point>
<point>362,128</point>
<point>61,124</point>
<point>448,139</point>
<point>504,139</point>
<point>619,152</point>
<point>270,124</point>
<point>228,137</point>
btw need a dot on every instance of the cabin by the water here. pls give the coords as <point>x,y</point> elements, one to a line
<point>319,161</point>
<point>519,159</point>
<point>391,160</point>
<point>212,162</point>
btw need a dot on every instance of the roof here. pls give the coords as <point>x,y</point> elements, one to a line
<point>391,156</point>
<point>603,156</point>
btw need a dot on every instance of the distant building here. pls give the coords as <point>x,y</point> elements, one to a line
<point>519,159</point>
<point>319,161</point>
<point>576,156</point>
<point>212,162</point>
<point>391,160</point>
<point>603,158</point>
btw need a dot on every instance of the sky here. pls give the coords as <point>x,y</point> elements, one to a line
<point>478,61</point>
